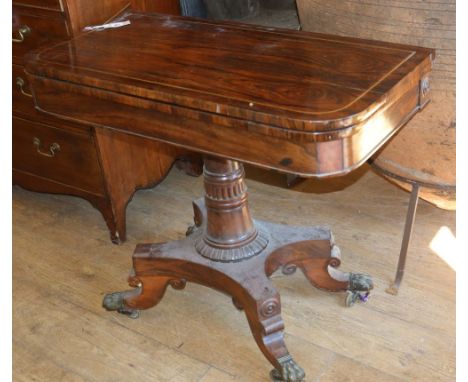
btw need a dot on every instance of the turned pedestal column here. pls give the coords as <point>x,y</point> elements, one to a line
<point>230,233</point>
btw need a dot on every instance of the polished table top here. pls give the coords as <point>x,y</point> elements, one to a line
<point>298,102</point>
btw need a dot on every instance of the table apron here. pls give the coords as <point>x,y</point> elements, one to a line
<point>304,153</point>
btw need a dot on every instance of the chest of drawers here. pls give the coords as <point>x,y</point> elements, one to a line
<point>55,156</point>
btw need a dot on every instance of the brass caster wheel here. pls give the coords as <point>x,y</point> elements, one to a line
<point>350,298</point>
<point>353,296</point>
<point>275,376</point>
<point>191,229</point>
<point>131,313</point>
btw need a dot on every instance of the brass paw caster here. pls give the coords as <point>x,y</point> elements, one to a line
<point>290,371</point>
<point>114,301</point>
<point>359,287</point>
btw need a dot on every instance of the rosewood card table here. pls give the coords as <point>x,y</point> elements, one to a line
<point>302,103</point>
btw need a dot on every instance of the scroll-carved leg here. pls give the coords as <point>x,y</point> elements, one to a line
<point>319,260</point>
<point>264,317</point>
<point>147,293</point>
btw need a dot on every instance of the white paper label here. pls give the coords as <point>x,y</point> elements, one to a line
<point>107,26</point>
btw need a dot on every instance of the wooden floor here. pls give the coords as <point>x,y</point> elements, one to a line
<point>64,263</point>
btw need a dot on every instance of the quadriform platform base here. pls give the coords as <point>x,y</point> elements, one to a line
<point>228,251</point>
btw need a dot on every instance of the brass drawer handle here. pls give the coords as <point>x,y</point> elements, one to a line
<point>22,32</point>
<point>20,82</point>
<point>54,147</point>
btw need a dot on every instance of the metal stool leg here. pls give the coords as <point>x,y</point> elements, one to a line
<point>410,216</point>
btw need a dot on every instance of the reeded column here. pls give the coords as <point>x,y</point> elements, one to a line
<point>230,233</point>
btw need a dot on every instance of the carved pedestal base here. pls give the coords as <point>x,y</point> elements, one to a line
<point>230,252</point>
<point>155,266</point>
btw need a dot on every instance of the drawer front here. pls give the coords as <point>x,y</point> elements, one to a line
<point>49,4</point>
<point>22,98</point>
<point>61,155</point>
<point>33,28</point>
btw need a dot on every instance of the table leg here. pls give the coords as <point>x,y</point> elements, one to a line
<point>319,260</point>
<point>234,254</point>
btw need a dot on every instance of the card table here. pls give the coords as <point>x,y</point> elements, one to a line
<point>301,103</point>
